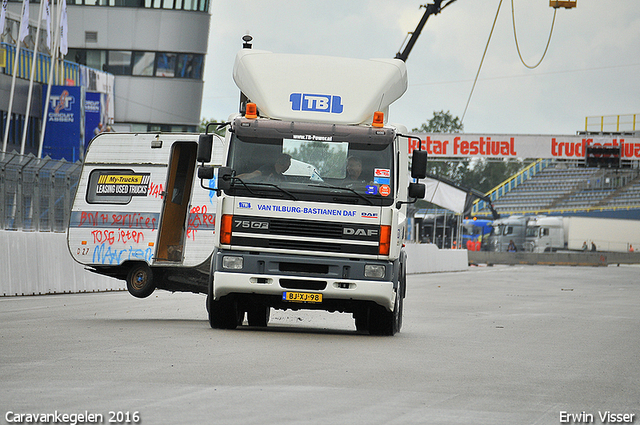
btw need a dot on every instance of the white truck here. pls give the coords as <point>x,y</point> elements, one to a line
<point>546,234</point>
<point>331,239</point>
<point>507,230</point>
<point>309,207</point>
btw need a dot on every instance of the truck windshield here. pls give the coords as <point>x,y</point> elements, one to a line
<point>532,231</point>
<point>310,167</point>
<point>497,229</point>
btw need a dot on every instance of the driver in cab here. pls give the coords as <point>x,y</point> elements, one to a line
<point>270,172</point>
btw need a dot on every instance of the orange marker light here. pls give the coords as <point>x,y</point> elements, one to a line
<point>385,240</point>
<point>378,119</point>
<point>252,111</point>
<point>225,230</point>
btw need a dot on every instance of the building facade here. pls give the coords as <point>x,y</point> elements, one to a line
<point>156,50</point>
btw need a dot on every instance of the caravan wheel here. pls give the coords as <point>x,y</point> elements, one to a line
<point>140,281</point>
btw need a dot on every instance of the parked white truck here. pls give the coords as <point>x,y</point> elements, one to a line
<point>546,234</point>
<point>310,205</point>
<point>507,230</point>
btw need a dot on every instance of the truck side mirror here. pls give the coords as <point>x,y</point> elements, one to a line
<point>417,190</point>
<point>224,178</point>
<point>205,146</point>
<point>419,164</point>
<point>205,172</point>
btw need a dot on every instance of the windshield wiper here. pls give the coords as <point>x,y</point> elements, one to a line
<point>327,186</point>
<point>286,192</point>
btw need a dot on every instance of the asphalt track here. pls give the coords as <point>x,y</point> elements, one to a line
<point>492,345</point>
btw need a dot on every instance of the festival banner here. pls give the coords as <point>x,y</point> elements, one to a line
<point>462,145</point>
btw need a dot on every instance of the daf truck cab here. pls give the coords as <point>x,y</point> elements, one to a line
<point>311,200</point>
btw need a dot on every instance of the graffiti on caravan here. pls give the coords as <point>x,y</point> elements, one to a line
<point>106,254</point>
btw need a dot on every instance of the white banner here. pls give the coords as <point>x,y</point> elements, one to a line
<point>64,29</point>
<point>24,21</point>
<point>3,13</point>
<point>461,145</point>
<point>444,195</point>
<point>46,15</point>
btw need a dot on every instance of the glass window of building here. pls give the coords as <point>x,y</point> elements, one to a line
<point>190,4</point>
<point>189,66</point>
<point>165,64</point>
<point>143,63</point>
<point>96,59</point>
<point>120,62</point>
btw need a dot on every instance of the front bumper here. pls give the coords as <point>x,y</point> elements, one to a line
<point>340,281</point>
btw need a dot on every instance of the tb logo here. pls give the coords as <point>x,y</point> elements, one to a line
<point>316,102</point>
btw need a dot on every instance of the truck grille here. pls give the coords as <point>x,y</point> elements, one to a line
<point>257,232</point>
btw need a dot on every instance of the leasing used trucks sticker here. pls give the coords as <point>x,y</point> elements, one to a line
<point>123,184</point>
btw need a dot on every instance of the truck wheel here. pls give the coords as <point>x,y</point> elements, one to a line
<point>399,312</point>
<point>383,322</point>
<point>361,317</point>
<point>140,281</point>
<point>223,313</point>
<point>258,315</point>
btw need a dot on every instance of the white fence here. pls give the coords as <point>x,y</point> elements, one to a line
<point>35,263</point>
<point>39,263</point>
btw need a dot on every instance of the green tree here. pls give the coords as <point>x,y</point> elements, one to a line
<point>441,122</point>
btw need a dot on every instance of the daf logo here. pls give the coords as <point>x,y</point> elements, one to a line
<point>349,231</point>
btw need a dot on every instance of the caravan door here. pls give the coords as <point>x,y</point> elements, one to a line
<point>172,230</point>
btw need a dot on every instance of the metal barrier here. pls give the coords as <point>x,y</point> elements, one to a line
<point>612,123</point>
<point>70,71</point>
<point>36,193</point>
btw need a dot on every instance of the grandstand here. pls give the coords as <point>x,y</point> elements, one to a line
<point>569,188</point>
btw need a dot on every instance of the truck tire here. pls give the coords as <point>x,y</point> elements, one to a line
<point>386,323</point>
<point>361,318</point>
<point>223,313</point>
<point>381,321</point>
<point>140,281</point>
<point>258,315</point>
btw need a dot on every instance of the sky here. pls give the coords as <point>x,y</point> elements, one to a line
<point>591,68</point>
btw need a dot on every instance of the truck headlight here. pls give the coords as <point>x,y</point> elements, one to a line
<point>232,262</point>
<point>375,271</point>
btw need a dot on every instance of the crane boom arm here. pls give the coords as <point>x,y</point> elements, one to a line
<point>431,9</point>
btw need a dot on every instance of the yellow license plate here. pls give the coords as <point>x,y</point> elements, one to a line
<point>301,297</point>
